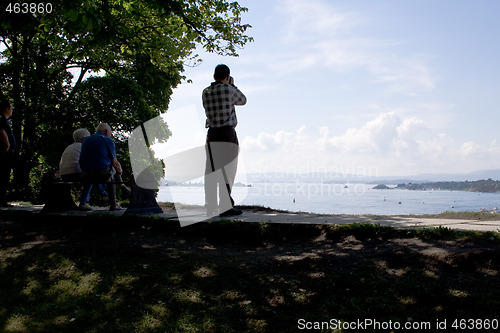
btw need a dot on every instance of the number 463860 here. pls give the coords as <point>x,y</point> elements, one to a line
<point>29,7</point>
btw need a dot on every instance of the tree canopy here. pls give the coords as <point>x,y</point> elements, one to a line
<point>141,47</point>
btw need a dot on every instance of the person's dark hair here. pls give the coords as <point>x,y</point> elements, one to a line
<point>4,104</point>
<point>221,72</point>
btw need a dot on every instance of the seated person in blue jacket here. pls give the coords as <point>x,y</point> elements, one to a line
<point>99,163</point>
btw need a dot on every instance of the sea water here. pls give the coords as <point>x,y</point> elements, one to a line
<point>341,198</point>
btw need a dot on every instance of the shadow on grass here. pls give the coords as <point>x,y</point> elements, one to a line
<point>148,275</point>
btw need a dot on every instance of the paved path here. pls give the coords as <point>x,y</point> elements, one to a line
<point>193,215</point>
<point>393,221</point>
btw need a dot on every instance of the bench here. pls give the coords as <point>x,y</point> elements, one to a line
<point>59,198</point>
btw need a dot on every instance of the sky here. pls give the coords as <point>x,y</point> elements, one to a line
<point>372,88</point>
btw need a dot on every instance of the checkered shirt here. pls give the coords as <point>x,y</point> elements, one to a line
<point>219,100</point>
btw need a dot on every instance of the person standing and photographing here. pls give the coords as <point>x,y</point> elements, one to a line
<point>7,148</point>
<point>219,100</point>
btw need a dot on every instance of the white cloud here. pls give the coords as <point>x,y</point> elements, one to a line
<point>475,150</point>
<point>378,136</point>
<point>410,127</point>
<point>272,142</point>
<point>390,143</point>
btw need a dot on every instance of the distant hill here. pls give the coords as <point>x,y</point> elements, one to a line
<point>342,179</point>
<point>487,185</point>
<point>475,175</point>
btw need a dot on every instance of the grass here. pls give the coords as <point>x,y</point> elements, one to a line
<point>487,216</point>
<point>129,274</point>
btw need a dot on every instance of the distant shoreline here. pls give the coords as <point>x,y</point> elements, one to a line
<point>485,186</point>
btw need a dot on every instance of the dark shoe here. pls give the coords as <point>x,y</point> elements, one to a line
<point>231,212</point>
<point>115,208</point>
<point>85,208</point>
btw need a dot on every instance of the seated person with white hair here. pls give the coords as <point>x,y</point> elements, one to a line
<point>69,168</point>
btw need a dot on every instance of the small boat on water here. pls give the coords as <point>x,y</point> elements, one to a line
<point>486,210</point>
